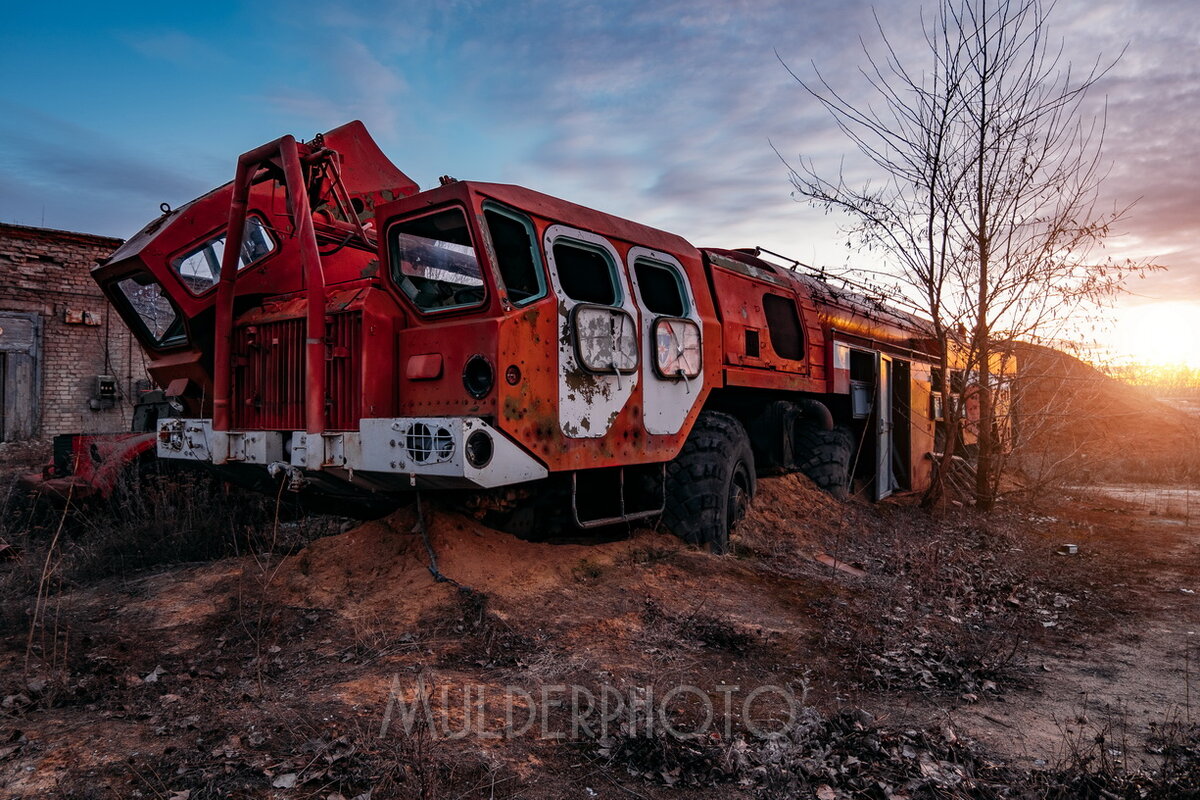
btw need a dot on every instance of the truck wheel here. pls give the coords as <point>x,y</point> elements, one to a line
<point>824,456</point>
<point>710,483</point>
<point>543,517</point>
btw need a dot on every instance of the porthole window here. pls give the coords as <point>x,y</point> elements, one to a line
<point>783,324</point>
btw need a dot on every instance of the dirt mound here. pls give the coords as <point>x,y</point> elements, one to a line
<point>792,506</point>
<point>382,567</point>
<point>264,674</point>
<point>1073,420</point>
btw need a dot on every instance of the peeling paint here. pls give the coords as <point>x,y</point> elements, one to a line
<point>607,340</point>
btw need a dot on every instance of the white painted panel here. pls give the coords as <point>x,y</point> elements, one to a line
<point>434,446</point>
<point>190,440</point>
<point>666,402</point>
<point>588,402</point>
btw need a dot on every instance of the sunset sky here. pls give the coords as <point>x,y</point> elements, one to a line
<point>664,112</point>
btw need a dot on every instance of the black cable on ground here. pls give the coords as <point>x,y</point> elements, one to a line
<point>421,528</point>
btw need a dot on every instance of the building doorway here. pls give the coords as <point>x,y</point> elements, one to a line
<point>20,377</point>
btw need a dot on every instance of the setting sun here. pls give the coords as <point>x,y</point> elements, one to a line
<point>1158,334</point>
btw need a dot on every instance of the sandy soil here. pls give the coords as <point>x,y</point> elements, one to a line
<point>224,679</point>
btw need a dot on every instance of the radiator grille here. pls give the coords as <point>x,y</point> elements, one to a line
<point>269,374</point>
<point>343,371</point>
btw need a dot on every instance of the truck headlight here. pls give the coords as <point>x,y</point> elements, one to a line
<point>479,449</point>
<point>478,376</point>
<point>676,347</point>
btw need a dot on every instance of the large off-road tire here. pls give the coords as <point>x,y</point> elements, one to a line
<point>824,456</point>
<point>543,517</point>
<point>710,483</point>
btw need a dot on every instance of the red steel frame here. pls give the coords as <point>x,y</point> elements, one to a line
<point>287,151</point>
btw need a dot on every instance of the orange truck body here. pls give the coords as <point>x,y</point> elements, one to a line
<point>363,337</point>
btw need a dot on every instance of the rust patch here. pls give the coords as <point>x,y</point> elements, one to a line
<point>586,385</point>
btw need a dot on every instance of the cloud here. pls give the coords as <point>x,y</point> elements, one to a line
<point>359,86</point>
<point>664,112</point>
<point>174,47</point>
<point>80,176</point>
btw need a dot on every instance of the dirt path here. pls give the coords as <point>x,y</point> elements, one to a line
<point>1136,672</point>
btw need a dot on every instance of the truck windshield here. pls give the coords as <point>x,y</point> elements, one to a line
<point>148,310</point>
<point>434,263</point>
<point>200,268</point>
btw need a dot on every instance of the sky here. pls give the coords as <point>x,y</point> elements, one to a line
<point>676,114</point>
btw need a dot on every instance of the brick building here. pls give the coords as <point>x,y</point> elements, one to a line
<point>59,339</point>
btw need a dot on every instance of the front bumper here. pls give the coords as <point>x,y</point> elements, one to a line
<point>442,450</point>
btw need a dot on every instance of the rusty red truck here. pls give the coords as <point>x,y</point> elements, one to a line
<point>323,321</point>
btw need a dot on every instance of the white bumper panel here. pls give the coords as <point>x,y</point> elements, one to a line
<point>416,446</point>
<point>195,440</point>
<point>435,446</point>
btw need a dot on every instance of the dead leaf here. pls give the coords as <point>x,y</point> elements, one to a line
<point>285,781</point>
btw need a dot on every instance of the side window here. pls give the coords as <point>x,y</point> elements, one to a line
<point>516,254</point>
<point>660,287</point>
<point>152,312</point>
<point>674,339</point>
<point>586,274</point>
<point>200,268</point>
<point>783,323</point>
<point>433,261</point>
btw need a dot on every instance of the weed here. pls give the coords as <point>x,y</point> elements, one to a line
<point>373,638</point>
<point>653,553</point>
<point>695,628</point>
<point>587,571</point>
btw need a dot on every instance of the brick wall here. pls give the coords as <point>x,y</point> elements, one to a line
<point>47,272</point>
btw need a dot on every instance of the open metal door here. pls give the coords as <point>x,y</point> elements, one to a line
<point>884,479</point>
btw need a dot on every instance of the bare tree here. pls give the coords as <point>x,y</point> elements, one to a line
<point>988,204</point>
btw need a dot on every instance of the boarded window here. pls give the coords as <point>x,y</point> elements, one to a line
<point>661,288</point>
<point>516,255</point>
<point>585,273</point>
<point>783,323</point>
